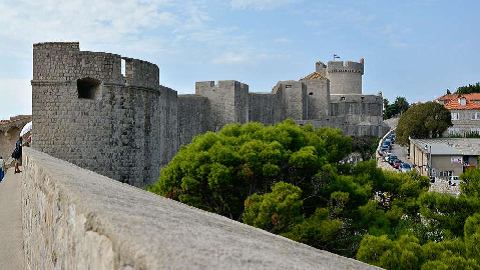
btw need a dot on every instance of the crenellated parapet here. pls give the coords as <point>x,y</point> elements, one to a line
<point>55,62</point>
<point>348,66</point>
<point>109,113</point>
<point>345,77</point>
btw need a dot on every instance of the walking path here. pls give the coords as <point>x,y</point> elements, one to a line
<point>11,246</point>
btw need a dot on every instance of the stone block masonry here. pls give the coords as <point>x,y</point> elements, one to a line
<point>85,111</point>
<point>10,132</point>
<point>77,219</point>
<point>109,113</point>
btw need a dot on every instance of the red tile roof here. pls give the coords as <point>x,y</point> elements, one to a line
<point>447,97</point>
<point>474,96</point>
<point>314,76</point>
<point>454,105</point>
<point>451,102</point>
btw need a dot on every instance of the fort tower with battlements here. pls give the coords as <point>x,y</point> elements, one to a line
<point>109,113</point>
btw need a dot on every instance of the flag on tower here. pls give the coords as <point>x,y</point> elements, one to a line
<point>335,56</point>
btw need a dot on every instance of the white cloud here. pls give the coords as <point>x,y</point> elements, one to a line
<point>314,22</point>
<point>396,42</point>
<point>355,15</point>
<point>260,4</point>
<point>89,21</point>
<point>231,58</point>
<point>282,40</point>
<point>196,18</point>
<point>395,34</point>
<point>16,95</point>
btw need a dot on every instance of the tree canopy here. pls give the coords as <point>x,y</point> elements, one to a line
<point>217,172</point>
<point>400,106</point>
<point>449,238</point>
<point>287,179</point>
<point>468,89</point>
<point>427,120</point>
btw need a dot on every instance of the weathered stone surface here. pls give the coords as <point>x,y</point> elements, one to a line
<point>77,219</point>
<point>124,125</point>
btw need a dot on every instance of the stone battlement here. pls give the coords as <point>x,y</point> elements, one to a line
<point>348,66</point>
<point>126,126</point>
<point>64,62</point>
<point>67,46</point>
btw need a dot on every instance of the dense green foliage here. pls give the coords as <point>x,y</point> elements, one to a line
<point>427,120</point>
<point>287,180</point>
<point>468,89</point>
<point>400,106</point>
<point>217,172</point>
<point>449,238</point>
<point>365,145</point>
<point>470,134</point>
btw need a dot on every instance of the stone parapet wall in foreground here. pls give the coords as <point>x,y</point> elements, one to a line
<point>77,219</point>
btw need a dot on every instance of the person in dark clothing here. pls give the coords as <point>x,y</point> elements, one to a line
<point>18,152</point>
<point>2,169</point>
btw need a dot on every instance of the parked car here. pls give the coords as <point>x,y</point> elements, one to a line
<point>384,144</point>
<point>405,167</point>
<point>391,159</point>
<point>397,163</point>
<point>453,181</point>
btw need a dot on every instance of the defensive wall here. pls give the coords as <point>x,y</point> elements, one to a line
<point>76,219</point>
<point>109,113</point>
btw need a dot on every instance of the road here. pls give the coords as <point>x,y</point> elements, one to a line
<point>440,185</point>
<point>401,153</point>
<point>11,246</point>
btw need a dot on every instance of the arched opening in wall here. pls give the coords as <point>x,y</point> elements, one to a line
<point>88,88</point>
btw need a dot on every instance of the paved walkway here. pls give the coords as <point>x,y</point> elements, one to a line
<point>11,246</point>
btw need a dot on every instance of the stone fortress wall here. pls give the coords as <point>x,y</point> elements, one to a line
<point>76,219</point>
<point>86,112</point>
<point>126,126</point>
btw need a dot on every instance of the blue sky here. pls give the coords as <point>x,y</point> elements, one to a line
<point>415,49</point>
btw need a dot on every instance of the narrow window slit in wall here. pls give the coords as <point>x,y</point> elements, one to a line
<point>123,68</point>
<point>127,67</point>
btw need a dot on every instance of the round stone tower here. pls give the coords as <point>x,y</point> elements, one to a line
<point>345,78</point>
<point>85,111</point>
